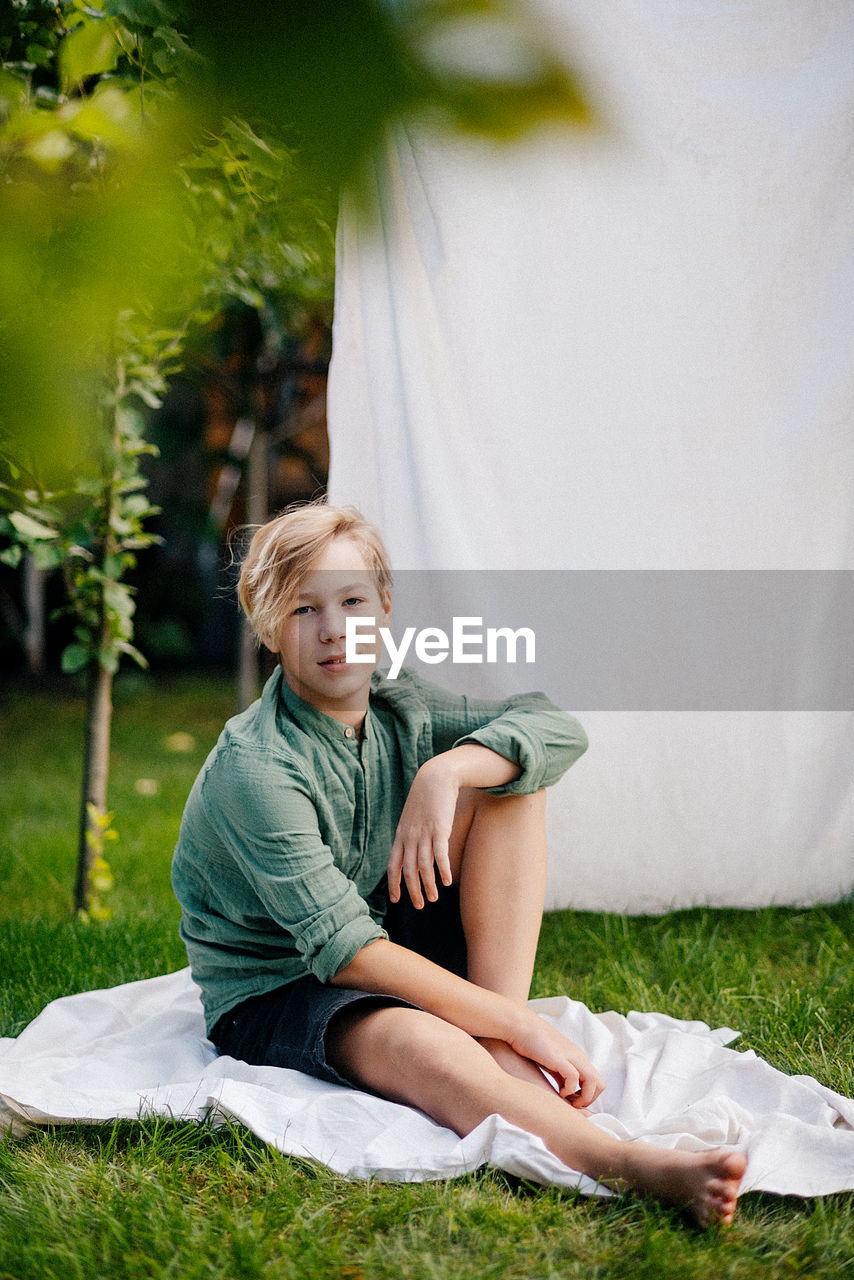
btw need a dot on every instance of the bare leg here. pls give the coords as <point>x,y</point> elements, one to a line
<point>498,857</point>
<point>415,1058</point>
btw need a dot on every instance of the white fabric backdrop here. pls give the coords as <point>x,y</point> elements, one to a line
<point>633,350</point>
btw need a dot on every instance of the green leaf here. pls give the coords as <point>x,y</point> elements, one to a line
<point>12,555</point>
<point>118,599</point>
<point>38,54</point>
<point>132,652</point>
<point>74,658</point>
<point>12,91</point>
<point>138,450</point>
<point>90,49</point>
<point>97,817</point>
<point>114,566</point>
<point>145,393</point>
<point>108,115</point>
<point>142,540</point>
<point>142,13</point>
<point>27,527</point>
<point>101,876</point>
<point>89,486</point>
<point>174,50</point>
<point>46,556</point>
<point>137,505</point>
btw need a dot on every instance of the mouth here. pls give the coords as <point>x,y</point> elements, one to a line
<point>336,660</point>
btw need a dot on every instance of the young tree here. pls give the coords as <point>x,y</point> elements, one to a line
<point>122,287</point>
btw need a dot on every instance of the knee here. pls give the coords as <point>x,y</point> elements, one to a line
<point>429,1044</point>
<point>531,806</point>
<point>425,1057</point>
<point>413,1057</point>
<point>533,802</point>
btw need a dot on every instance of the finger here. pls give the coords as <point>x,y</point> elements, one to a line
<point>591,1086</point>
<point>443,862</point>
<point>586,1092</point>
<point>571,1083</point>
<point>413,880</point>
<point>395,864</point>
<point>426,871</point>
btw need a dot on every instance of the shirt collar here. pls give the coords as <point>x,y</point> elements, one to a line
<point>317,721</point>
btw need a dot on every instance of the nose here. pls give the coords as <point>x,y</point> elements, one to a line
<point>331,624</point>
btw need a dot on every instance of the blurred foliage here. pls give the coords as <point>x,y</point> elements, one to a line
<point>339,71</point>
<point>125,207</point>
<point>158,155</point>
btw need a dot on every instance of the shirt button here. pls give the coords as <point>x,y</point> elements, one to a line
<point>348,732</point>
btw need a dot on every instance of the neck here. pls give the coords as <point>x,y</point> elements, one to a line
<point>353,714</point>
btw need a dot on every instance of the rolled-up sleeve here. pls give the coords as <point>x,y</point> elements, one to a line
<point>527,729</point>
<point>268,820</point>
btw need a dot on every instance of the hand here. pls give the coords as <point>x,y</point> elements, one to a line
<point>576,1078</point>
<point>423,834</point>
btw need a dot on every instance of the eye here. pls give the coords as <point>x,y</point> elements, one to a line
<point>302,609</point>
<point>352,601</point>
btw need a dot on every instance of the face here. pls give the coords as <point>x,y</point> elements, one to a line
<point>310,642</point>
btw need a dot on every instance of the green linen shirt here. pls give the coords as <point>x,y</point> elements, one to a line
<point>284,843</point>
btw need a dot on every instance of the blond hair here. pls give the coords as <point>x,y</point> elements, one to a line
<point>282,550</point>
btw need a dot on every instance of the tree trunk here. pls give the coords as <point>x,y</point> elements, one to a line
<point>34,583</point>
<point>96,763</point>
<point>99,703</point>
<point>257,509</point>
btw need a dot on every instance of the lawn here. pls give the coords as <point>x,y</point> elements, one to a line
<point>158,1199</point>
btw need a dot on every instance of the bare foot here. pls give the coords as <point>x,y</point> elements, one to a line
<point>706,1183</point>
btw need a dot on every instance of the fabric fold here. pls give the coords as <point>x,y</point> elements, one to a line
<point>140,1049</point>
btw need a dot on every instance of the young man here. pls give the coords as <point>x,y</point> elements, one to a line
<point>361,869</point>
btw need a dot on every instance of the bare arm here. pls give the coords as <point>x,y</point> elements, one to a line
<point>477,766</point>
<point>423,833</point>
<point>387,968</point>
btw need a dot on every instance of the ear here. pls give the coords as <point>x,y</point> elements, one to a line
<point>385,602</point>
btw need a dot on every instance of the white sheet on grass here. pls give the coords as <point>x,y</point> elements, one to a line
<point>140,1049</point>
<point>633,350</point>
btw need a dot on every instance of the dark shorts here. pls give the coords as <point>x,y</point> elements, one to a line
<point>287,1027</point>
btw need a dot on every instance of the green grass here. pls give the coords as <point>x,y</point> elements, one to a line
<point>161,1199</point>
